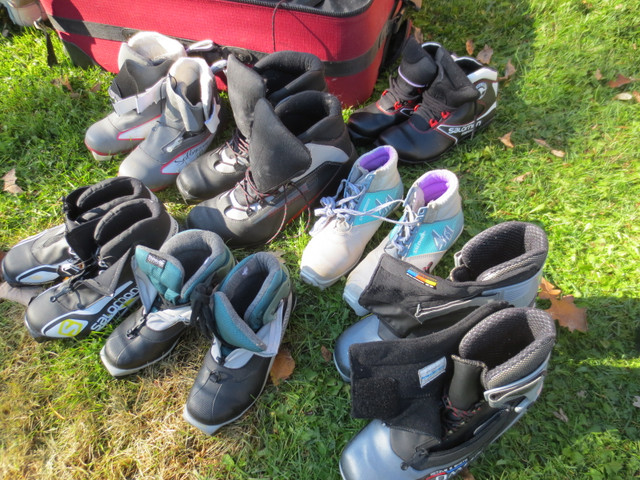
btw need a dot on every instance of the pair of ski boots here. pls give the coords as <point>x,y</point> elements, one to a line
<point>166,110</point>
<point>446,366</point>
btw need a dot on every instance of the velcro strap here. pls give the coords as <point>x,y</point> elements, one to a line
<point>375,398</point>
<point>139,102</point>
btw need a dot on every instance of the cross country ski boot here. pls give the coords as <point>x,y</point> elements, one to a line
<point>136,94</point>
<point>349,219</point>
<point>396,104</point>
<point>166,280</point>
<point>460,101</point>
<point>503,262</point>
<point>274,77</point>
<point>246,319</point>
<point>46,257</point>
<point>298,150</point>
<point>104,288</point>
<point>431,223</point>
<point>189,121</point>
<point>440,400</point>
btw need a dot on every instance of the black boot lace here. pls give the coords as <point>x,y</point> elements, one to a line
<point>397,99</point>
<point>432,111</point>
<point>201,313</point>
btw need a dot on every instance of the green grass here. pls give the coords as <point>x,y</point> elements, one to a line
<point>62,415</point>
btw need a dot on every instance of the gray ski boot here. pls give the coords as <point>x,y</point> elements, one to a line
<point>136,94</point>
<point>188,123</point>
<point>504,262</point>
<point>440,400</point>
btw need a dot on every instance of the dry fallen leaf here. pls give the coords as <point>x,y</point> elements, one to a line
<point>326,354</point>
<point>509,70</point>
<point>560,415</point>
<point>568,314</point>
<point>506,139</point>
<point>542,143</point>
<point>470,47</point>
<point>10,184</point>
<point>520,178</point>
<point>96,87</point>
<point>619,81</point>
<point>636,401</point>
<point>548,290</point>
<point>636,95</point>
<point>598,74</point>
<point>283,366</point>
<point>623,96</point>
<point>465,474</point>
<point>484,56</point>
<point>418,35</point>
<point>63,82</point>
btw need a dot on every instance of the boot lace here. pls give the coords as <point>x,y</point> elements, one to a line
<point>201,312</point>
<point>158,308</point>
<point>345,208</point>
<point>455,418</point>
<point>254,199</point>
<point>239,145</point>
<point>432,111</point>
<point>393,95</point>
<point>78,271</point>
<point>251,193</point>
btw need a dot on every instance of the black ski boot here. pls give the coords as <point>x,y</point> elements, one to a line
<point>246,318</point>
<point>274,77</point>
<point>47,257</point>
<point>440,400</point>
<point>104,287</point>
<point>396,104</point>
<point>458,103</point>
<point>166,279</point>
<point>298,150</point>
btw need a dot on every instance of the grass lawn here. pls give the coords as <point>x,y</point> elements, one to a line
<point>63,416</point>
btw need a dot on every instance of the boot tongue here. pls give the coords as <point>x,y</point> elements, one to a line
<point>415,198</point>
<point>245,88</point>
<point>135,78</point>
<point>289,72</point>
<point>466,389</point>
<point>184,108</point>
<point>80,238</point>
<point>417,69</point>
<point>451,87</point>
<point>277,155</point>
<point>233,329</point>
<point>164,272</point>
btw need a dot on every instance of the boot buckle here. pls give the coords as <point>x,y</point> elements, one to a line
<point>528,387</point>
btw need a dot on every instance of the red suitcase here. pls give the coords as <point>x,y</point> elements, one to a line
<point>353,38</point>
